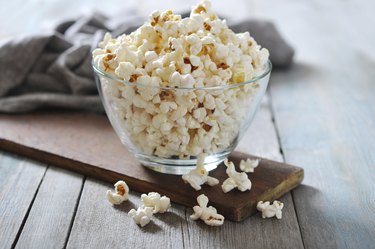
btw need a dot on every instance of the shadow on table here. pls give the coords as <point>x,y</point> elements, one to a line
<point>170,218</point>
<point>151,227</point>
<point>126,206</point>
<point>298,72</point>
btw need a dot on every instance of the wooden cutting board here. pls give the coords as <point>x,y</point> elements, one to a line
<point>87,144</point>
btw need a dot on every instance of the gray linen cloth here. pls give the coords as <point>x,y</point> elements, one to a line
<point>54,70</point>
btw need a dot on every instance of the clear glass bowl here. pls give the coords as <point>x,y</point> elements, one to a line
<point>167,128</point>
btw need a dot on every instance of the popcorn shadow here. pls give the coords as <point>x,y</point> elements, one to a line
<point>126,206</point>
<point>151,227</point>
<point>170,218</point>
<point>201,225</point>
<point>300,72</point>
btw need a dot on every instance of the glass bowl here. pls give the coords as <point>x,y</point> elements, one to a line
<point>166,128</point>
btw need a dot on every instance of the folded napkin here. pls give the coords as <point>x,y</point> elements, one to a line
<point>54,70</point>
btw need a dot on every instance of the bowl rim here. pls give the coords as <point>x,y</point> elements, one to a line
<point>227,86</point>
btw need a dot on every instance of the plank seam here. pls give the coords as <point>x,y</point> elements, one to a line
<point>75,212</point>
<point>28,211</point>
<point>296,213</point>
<point>182,229</point>
<point>283,157</point>
<point>187,226</point>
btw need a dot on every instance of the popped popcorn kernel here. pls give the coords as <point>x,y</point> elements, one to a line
<point>235,179</point>
<point>160,204</point>
<point>199,175</point>
<point>269,211</point>
<point>141,216</point>
<point>120,195</point>
<point>249,165</point>
<point>207,214</point>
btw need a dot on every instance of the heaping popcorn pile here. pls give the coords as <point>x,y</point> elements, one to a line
<point>165,114</point>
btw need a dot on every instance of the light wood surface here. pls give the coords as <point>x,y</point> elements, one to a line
<point>100,225</point>
<point>324,113</point>
<point>49,221</point>
<point>19,182</point>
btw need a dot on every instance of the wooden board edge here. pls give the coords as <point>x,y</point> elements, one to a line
<point>106,175</point>
<point>88,170</point>
<point>280,190</point>
<point>63,162</point>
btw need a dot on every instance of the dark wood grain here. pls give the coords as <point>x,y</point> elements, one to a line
<point>99,224</point>
<point>49,221</point>
<point>19,181</point>
<point>86,143</point>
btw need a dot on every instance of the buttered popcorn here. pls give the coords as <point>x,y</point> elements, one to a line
<point>120,195</point>
<point>185,101</point>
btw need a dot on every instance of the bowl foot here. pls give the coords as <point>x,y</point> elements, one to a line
<point>177,166</point>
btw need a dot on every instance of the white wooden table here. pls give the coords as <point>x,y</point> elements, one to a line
<point>319,115</point>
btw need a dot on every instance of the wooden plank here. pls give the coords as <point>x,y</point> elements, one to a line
<point>98,224</point>
<point>62,139</point>
<point>325,112</point>
<point>261,139</point>
<point>49,220</point>
<point>19,181</point>
<point>337,151</point>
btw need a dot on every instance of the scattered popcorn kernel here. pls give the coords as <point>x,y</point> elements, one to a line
<point>141,216</point>
<point>160,204</point>
<point>269,211</point>
<point>235,179</point>
<point>208,214</point>
<point>199,175</point>
<point>121,194</point>
<point>249,165</point>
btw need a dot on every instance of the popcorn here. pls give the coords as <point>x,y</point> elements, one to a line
<point>187,81</point>
<point>235,180</point>
<point>166,107</point>
<point>199,175</point>
<point>193,39</point>
<point>249,165</point>
<point>141,216</point>
<point>121,194</point>
<point>200,114</point>
<point>150,56</point>
<point>160,204</point>
<point>125,70</point>
<point>269,211</point>
<point>195,48</point>
<point>195,60</point>
<point>171,61</point>
<point>208,214</point>
<point>221,51</point>
<point>209,102</point>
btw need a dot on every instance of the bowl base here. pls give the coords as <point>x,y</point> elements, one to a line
<point>177,166</point>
